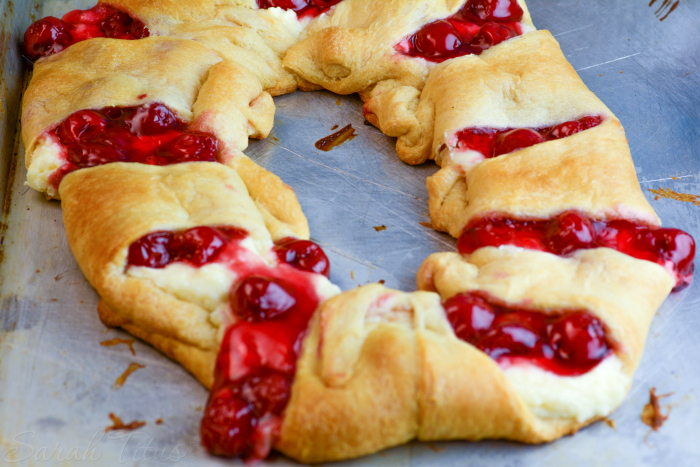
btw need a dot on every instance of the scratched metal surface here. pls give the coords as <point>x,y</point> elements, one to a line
<point>56,380</point>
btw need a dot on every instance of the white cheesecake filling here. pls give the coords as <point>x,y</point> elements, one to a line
<point>47,157</point>
<point>288,18</point>
<point>593,394</point>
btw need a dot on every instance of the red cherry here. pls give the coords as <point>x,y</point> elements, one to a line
<point>138,30</point>
<point>466,29</point>
<point>579,339</point>
<point>569,232</point>
<point>491,34</point>
<point>228,424</point>
<point>514,140</point>
<point>233,233</point>
<point>665,246</point>
<point>259,298</point>
<point>198,246</point>
<point>565,129</point>
<point>193,147</point>
<point>81,126</point>
<point>117,26</point>
<point>295,5</point>
<point>482,11</point>
<point>514,333</point>
<point>477,140</point>
<point>497,232</point>
<point>437,39</point>
<point>153,119</point>
<point>250,347</point>
<point>45,37</point>
<point>151,251</point>
<point>268,391</point>
<point>304,255</point>
<point>590,122</point>
<point>93,154</point>
<point>469,315</point>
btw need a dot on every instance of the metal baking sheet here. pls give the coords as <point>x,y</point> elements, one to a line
<point>56,380</point>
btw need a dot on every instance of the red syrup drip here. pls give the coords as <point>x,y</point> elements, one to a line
<point>257,360</point>
<point>493,143</point>
<point>303,8</point>
<point>478,26</point>
<point>572,231</point>
<point>149,134</point>
<point>567,342</point>
<point>50,35</point>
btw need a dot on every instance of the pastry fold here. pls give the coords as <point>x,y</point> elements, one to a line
<point>352,48</point>
<point>212,95</point>
<point>381,367</point>
<point>107,208</point>
<point>525,82</point>
<point>591,172</point>
<point>255,39</point>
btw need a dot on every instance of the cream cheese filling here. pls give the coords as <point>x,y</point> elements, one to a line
<point>593,394</point>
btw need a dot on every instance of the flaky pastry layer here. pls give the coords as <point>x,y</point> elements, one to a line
<point>215,96</point>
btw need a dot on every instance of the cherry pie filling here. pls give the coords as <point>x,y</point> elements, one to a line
<point>478,26</point>
<point>303,8</point>
<point>147,134</point>
<point>564,342</point>
<point>50,35</point>
<point>572,231</point>
<point>491,142</point>
<point>257,360</point>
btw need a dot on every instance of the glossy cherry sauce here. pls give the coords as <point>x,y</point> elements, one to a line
<point>257,359</point>
<point>303,8</point>
<point>50,35</point>
<point>492,142</point>
<point>479,25</point>
<point>148,134</point>
<point>571,231</point>
<point>565,342</point>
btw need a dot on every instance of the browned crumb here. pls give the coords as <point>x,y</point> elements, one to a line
<point>379,228</point>
<point>675,178</point>
<point>336,139</point>
<point>651,414</point>
<point>119,340</point>
<point>352,275</point>
<point>338,102</point>
<point>435,449</point>
<point>334,127</point>
<point>670,194</point>
<point>426,224</point>
<point>159,421</point>
<point>600,74</point>
<point>381,281</point>
<point>122,378</point>
<point>118,424</point>
<point>610,422</point>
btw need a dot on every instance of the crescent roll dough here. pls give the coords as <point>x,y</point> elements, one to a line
<point>352,48</point>
<point>381,367</point>
<point>215,96</point>
<point>254,39</point>
<point>107,208</point>
<point>591,172</point>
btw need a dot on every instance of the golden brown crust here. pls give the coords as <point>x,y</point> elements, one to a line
<point>591,172</point>
<point>216,96</point>
<point>107,208</point>
<point>380,367</point>
<point>235,29</point>
<point>199,362</point>
<point>525,82</point>
<point>622,291</point>
<point>352,49</point>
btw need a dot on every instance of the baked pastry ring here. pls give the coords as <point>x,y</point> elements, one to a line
<point>381,367</point>
<point>182,311</point>
<point>214,96</point>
